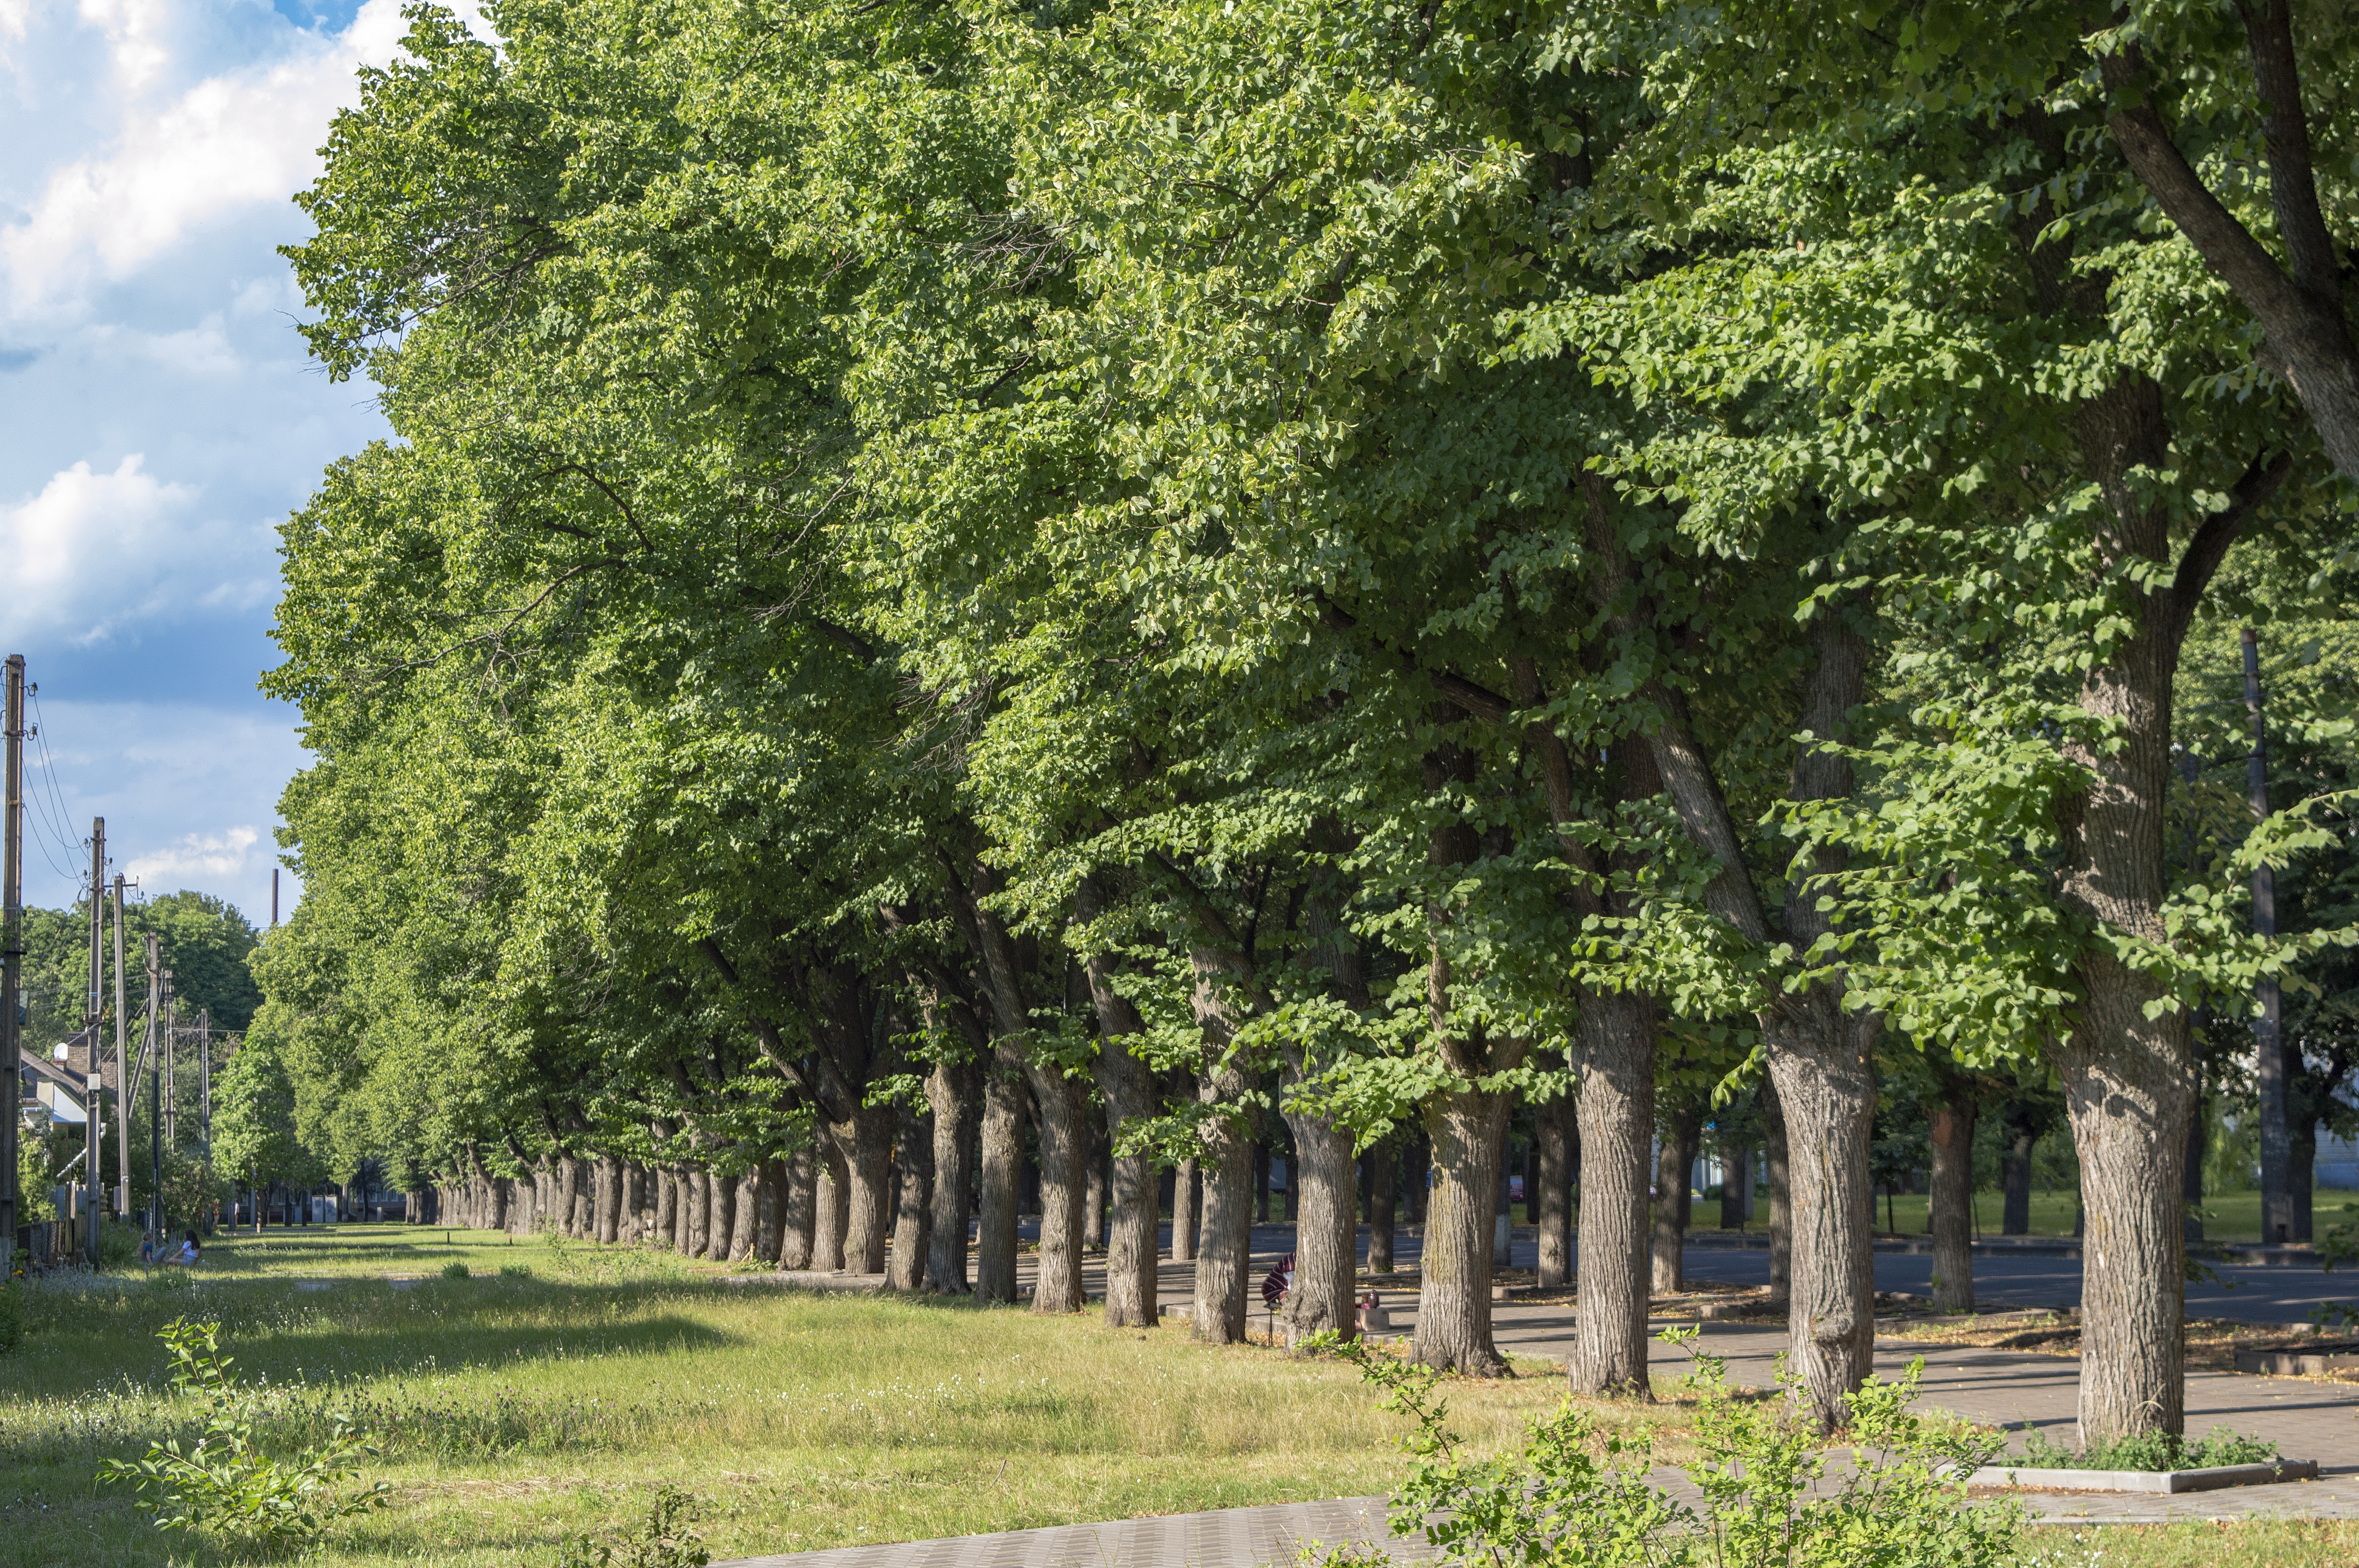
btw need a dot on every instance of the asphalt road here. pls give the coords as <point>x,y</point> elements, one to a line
<point>2252,1294</point>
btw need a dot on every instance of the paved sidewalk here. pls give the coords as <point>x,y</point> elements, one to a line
<point>1230,1537</point>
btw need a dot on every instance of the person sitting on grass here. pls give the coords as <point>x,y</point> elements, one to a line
<point>191,1254</point>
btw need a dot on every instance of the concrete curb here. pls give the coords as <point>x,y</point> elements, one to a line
<point>2015,1478</point>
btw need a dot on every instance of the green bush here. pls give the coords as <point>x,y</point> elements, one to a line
<point>11,1315</point>
<point>222,1484</point>
<point>456,1271</point>
<point>515,1272</point>
<point>1580,1498</point>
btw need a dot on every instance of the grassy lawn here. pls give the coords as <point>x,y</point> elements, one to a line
<point>551,1392</point>
<point>513,1410</point>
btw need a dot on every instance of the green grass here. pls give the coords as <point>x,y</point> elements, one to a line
<point>513,1409</point>
<point>554,1387</point>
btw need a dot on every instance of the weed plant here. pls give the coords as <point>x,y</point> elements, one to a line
<point>2152,1451</point>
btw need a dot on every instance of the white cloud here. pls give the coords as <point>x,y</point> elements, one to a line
<point>211,857</point>
<point>239,138</point>
<point>95,551</point>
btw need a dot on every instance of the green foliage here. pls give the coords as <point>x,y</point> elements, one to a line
<point>457,1271</point>
<point>1576,1494</point>
<point>222,1484</point>
<point>2152,1451</point>
<point>663,1539</point>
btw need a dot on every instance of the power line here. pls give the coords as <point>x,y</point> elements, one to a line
<point>53,826</point>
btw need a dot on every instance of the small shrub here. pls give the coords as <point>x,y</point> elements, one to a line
<point>455,1269</point>
<point>1349,1554</point>
<point>2152,1451</point>
<point>662,1540</point>
<point>515,1272</point>
<point>1579,1495</point>
<point>222,1484</point>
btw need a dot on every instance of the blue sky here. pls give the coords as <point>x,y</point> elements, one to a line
<point>157,417</point>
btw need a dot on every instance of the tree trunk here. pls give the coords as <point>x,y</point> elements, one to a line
<point>1548,1197</point>
<point>667,1207</point>
<point>2198,1141</point>
<point>1129,1087</point>
<point>1093,1194</point>
<point>697,1235</point>
<point>1949,1203</point>
<point>1777,1174</point>
<point>1186,1194</point>
<point>867,1143</point>
<point>1416,1164</point>
<point>1261,1184</point>
<point>2015,1177</point>
<point>831,1210</point>
<point>721,1199</point>
<point>798,1210</point>
<point>1674,1166</point>
<point>1819,1057</point>
<point>769,1212</point>
<point>1322,1184</point>
<point>913,1197</point>
<point>1002,1137</point>
<point>1616,1110</point>
<point>1384,1197</point>
<point>1225,1252</point>
<point>2302,1159</point>
<point>1453,1311</point>
<point>950,1092</point>
<point>1736,1185</point>
<point>746,1224</point>
<point>1062,1109</point>
<point>610,1208</point>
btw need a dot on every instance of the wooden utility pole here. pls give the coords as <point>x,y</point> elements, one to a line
<point>2268,1030</point>
<point>156,1120</point>
<point>155,971</point>
<point>125,1091</point>
<point>205,1084</point>
<point>12,952</point>
<point>95,1089</point>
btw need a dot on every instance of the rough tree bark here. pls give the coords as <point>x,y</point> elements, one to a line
<point>1326,1252</point>
<point>667,1207</point>
<point>1550,1204</point>
<point>912,1198</point>
<point>1949,1202</point>
<point>1002,1136</point>
<point>1384,1199</point>
<point>696,1233</point>
<point>769,1212</point>
<point>1187,1191</point>
<point>1129,1087</point>
<point>1061,1108</point>
<point>1775,1177</point>
<point>799,1209</point>
<point>746,1224</point>
<point>950,1093</point>
<point>1225,1260</point>
<point>1674,1163</point>
<point>831,1212</point>
<point>1617,1041</point>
